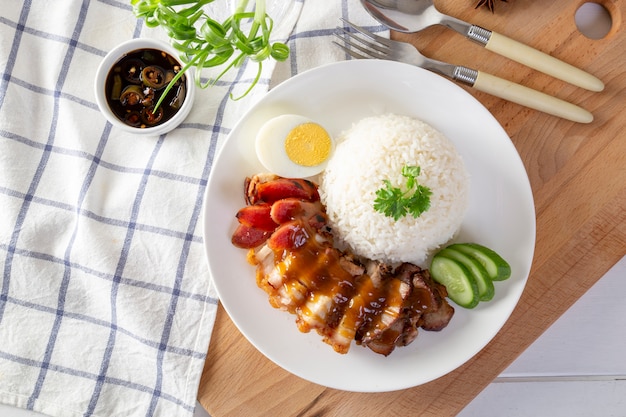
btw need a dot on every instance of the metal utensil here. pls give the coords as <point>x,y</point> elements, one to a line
<point>414,15</point>
<point>378,47</point>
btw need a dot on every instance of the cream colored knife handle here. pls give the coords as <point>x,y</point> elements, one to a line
<point>530,98</point>
<point>533,58</point>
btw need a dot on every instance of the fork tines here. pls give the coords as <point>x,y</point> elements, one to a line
<point>376,47</point>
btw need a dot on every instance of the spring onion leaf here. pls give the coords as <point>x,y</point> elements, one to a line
<point>397,203</point>
<point>204,42</point>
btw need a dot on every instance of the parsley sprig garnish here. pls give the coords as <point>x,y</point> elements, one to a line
<point>395,202</point>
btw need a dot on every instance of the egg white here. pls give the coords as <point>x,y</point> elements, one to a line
<point>270,147</point>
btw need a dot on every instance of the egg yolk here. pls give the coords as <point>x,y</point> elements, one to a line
<point>308,144</point>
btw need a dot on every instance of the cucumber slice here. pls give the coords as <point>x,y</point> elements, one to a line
<point>497,268</point>
<point>486,289</point>
<point>461,286</point>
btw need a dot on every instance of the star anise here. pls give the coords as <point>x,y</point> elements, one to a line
<point>490,4</point>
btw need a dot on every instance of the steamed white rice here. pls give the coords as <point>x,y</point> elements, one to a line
<point>375,149</point>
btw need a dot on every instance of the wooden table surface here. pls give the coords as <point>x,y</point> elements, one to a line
<point>578,176</point>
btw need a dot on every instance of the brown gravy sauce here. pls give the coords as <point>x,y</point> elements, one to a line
<point>357,303</point>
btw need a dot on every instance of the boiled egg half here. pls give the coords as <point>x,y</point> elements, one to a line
<point>293,146</point>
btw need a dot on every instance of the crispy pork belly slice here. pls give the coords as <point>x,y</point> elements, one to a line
<point>438,318</point>
<point>263,258</point>
<point>292,295</point>
<point>270,278</point>
<point>283,293</point>
<point>386,327</point>
<point>364,301</point>
<point>386,341</point>
<point>350,265</point>
<point>330,290</point>
<point>412,313</point>
<point>339,328</point>
<point>427,308</point>
<point>313,313</point>
<point>367,300</point>
<point>428,298</point>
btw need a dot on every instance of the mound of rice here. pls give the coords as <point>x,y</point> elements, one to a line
<point>375,149</point>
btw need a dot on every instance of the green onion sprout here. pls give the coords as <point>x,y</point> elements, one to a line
<point>204,42</point>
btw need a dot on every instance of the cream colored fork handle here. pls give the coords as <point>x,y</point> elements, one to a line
<point>530,98</point>
<point>543,62</point>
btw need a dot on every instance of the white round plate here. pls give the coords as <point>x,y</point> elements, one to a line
<point>501,216</point>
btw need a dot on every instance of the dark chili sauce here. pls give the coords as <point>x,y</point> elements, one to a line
<point>135,84</point>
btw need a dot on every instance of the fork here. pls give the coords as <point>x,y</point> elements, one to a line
<point>370,46</point>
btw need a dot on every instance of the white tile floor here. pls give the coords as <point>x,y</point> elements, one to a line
<point>576,369</point>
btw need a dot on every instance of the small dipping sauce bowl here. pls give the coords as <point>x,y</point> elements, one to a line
<point>130,80</point>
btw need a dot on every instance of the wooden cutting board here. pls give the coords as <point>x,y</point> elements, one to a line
<point>578,176</point>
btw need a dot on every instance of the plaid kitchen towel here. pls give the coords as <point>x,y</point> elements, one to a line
<point>106,305</point>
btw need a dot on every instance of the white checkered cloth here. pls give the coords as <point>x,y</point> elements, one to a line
<point>106,304</point>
